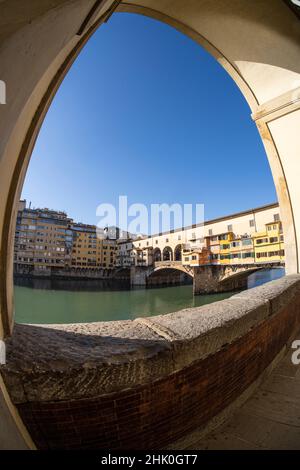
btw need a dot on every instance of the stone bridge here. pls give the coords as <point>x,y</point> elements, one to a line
<point>207,279</point>
<point>159,265</point>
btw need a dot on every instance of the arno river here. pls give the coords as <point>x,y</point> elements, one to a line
<point>42,301</point>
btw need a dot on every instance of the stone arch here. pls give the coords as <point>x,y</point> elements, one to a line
<point>269,78</point>
<point>157,254</point>
<point>177,253</point>
<point>40,43</point>
<point>167,254</point>
<point>168,275</point>
<point>180,267</point>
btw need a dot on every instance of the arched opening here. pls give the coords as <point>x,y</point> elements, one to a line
<point>269,80</point>
<point>177,253</point>
<point>167,254</point>
<point>19,140</point>
<point>169,277</point>
<point>157,254</point>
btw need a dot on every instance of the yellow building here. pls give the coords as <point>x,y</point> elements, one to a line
<point>242,250</point>
<point>225,239</point>
<point>269,245</point>
<point>91,252</point>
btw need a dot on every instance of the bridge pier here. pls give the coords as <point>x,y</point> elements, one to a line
<point>139,274</point>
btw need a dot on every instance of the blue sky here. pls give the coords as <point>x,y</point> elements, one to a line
<point>145,112</point>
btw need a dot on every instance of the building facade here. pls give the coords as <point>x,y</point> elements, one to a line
<point>269,244</point>
<point>43,241</point>
<point>226,240</point>
<point>124,255</point>
<point>48,242</point>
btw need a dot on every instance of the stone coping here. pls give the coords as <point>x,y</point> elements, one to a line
<point>84,360</point>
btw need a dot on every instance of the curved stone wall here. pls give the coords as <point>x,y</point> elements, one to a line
<point>146,383</point>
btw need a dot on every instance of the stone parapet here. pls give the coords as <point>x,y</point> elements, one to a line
<point>146,383</point>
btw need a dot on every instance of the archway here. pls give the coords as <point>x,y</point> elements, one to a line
<point>268,77</point>
<point>50,36</point>
<point>157,254</point>
<point>169,276</point>
<point>167,254</point>
<point>177,253</point>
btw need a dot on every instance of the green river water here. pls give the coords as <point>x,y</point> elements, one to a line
<point>43,301</point>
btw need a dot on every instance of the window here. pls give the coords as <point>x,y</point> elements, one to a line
<point>229,228</point>
<point>262,255</point>
<point>269,228</point>
<point>179,237</point>
<point>273,253</point>
<point>246,242</point>
<point>225,246</point>
<point>276,218</point>
<point>273,239</point>
<point>251,222</point>
<point>210,232</point>
<point>261,240</point>
<point>194,257</point>
<point>187,258</point>
<point>167,240</point>
<point>248,255</point>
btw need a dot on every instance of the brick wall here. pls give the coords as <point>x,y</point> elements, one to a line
<point>156,414</point>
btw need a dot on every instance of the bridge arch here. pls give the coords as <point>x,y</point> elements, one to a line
<point>238,279</point>
<point>169,273</point>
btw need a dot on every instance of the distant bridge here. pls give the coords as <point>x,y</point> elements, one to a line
<point>207,278</point>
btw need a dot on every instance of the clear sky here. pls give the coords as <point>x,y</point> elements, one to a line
<point>145,112</point>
